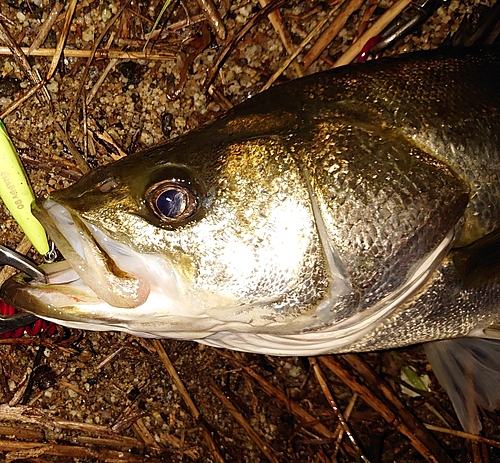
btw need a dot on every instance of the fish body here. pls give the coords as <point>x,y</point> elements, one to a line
<point>331,204</point>
<point>343,211</point>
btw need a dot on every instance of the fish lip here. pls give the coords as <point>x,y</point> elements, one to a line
<point>89,259</point>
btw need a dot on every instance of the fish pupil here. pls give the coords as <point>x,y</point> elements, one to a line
<point>171,203</point>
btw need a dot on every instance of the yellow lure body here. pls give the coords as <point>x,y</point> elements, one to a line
<point>17,194</point>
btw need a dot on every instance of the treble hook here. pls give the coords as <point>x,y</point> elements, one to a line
<point>414,14</point>
<point>18,261</point>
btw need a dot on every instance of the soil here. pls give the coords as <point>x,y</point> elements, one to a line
<point>106,396</point>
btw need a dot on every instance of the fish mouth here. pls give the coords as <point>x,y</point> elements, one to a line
<point>99,263</point>
<point>97,273</point>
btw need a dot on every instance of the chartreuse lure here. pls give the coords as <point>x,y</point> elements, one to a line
<point>17,194</point>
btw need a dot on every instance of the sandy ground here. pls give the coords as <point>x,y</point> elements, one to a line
<point>81,396</point>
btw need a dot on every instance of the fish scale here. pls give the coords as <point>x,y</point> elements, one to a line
<point>410,221</point>
<point>434,310</point>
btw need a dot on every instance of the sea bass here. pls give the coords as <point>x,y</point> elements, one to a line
<point>350,210</point>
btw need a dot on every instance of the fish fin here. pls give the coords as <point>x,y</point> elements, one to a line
<point>469,371</point>
<point>479,262</point>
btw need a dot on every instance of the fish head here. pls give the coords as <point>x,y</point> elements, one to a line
<point>182,241</point>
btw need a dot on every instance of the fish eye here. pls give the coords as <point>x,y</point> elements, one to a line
<point>172,202</point>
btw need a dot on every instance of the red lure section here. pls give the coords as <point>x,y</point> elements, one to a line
<point>32,330</point>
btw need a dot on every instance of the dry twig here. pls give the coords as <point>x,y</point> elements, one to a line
<point>187,400</point>
<point>464,435</point>
<point>403,420</point>
<point>331,32</point>
<point>60,166</point>
<point>363,24</point>
<point>24,450</point>
<point>266,450</point>
<point>46,27</point>
<point>329,397</point>
<point>384,20</point>
<point>80,161</point>
<point>15,104</point>
<point>305,418</point>
<point>340,430</point>
<point>304,42</point>
<point>100,53</point>
<point>91,95</point>
<point>91,58</point>
<point>143,433</point>
<point>113,149</point>
<point>213,17</point>
<point>32,416</point>
<point>236,38</point>
<point>279,26</point>
<point>21,59</point>
<point>62,39</point>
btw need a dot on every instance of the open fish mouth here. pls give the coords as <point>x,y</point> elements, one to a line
<point>96,284</point>
<point>102,264</point>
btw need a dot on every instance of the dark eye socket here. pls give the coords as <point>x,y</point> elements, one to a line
<point>172,202</point>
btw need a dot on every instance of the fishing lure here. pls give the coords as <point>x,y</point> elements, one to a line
<point>18,197</point>
<point>17,194</point>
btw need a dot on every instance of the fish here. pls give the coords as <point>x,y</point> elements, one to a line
<point>352,210</point>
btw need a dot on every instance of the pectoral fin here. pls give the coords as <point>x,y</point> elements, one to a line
<point>469,371</point>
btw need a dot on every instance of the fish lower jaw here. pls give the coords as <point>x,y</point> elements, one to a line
<point>74,305</point>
